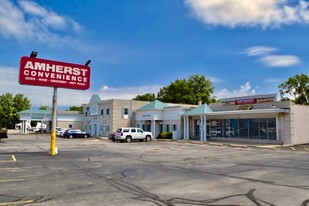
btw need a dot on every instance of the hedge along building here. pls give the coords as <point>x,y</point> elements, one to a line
<point>101,118</point>
<point>258,118</point>
<point>158,117</point>
<point>65,119</point>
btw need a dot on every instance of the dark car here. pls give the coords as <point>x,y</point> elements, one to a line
<point>112,137</point>
<point>3,134</point>
<point>74,133</point>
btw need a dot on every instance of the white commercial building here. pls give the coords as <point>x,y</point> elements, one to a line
<point>65,119</point>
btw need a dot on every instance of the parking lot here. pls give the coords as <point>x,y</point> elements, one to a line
<point>100,172</point>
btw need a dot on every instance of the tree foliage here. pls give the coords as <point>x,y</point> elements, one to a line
<point>44,107</point>
<point>145,97</point>
<point>298,87</point>
<point>10,106</point>
<point>77,108</point>
<point>188,91</point>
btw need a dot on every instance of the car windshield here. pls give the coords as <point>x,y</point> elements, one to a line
<point>118,130</point>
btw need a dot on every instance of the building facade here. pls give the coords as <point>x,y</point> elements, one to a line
<point>65,119</point>
<point>158,117</point>
<point>254,119</point>
<point>101,118</point>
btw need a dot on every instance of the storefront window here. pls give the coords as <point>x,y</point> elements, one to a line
<point>272,129</point>
<point>243,128</point>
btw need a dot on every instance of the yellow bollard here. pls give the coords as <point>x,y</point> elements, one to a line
<point>53,143</point>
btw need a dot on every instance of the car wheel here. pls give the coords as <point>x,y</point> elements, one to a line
<point>86,136</point>
<point>71,136</point>
<point>148,138</point>
<point>129,139</point>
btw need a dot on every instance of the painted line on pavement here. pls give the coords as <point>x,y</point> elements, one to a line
<point>12,180</point>
<point>14,159</point>
<point>16,203</point>
<point>10,168</point>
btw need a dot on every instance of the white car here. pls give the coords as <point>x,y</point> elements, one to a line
<point>62,131</point>
<point>132,133</point>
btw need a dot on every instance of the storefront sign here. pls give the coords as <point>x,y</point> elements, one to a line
<point>245,101</point>
<point>42,72</point>
<point>245,107</point>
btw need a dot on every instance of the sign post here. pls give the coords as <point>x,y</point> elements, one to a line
<point>49,73</point>
<point>53,150</point>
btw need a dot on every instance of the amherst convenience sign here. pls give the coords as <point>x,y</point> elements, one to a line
<point>42,72</point>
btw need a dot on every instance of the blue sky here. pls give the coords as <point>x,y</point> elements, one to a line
<point>244,47</point>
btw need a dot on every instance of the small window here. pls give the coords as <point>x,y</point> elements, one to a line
<point>125,111</point>
<point>167,127</point>
<point>133,130</point>
<point>107,111</point>
<point>102,112</point>
<point>174,127</point>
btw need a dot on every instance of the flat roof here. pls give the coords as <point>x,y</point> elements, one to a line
<point>260,96</point>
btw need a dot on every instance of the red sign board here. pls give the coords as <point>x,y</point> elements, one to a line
<point>246,101</point>
<point>42,72</point>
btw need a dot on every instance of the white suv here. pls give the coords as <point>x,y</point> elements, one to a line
<point>132,133</point>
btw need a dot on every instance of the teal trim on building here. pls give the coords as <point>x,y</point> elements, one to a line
<point>203,109</point>
<point>155,105</point>
<point>95,99</point>
<point>36,111</point>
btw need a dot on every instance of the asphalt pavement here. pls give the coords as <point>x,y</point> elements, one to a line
<point>96,171</point>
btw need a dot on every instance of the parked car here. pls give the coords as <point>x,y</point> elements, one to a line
<point>3,134</point>
<point>215,133</point>
<point>112,137</point>
<point>230,131</point>
<point>73,133</point>
<point>132,133</point>
<point>62,131</point>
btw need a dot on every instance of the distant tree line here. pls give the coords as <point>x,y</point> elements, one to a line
<point>183,91</point>
<point>197,88</point>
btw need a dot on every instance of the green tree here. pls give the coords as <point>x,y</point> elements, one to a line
<point>44,107</point>
<point>20,103</point>
<point>188,91</point>
<point>76,108</point>
<point>145,97</point>
<point>298,87</point>
<point>9,108</point>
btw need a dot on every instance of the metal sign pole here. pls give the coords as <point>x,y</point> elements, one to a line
<point>54,123</point>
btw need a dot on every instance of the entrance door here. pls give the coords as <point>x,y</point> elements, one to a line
<point>95,129</point>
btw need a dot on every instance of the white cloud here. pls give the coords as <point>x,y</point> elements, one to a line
<point>265,55</point>
<point>66,97</point>
<point>127,92</point>
<point>250,13</point>
<point>280,60</point>
<point>30,21</point>
<point>244,90</point>
<point>259,50</point>
<point>273,80</point>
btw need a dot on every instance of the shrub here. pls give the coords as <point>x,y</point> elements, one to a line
<point>165,135</point>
